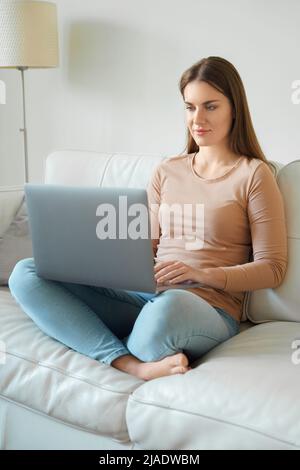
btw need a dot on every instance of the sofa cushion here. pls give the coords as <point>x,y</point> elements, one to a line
<point>15,243</point>
<point>42,374</point>
<point>243,394</point>
<point>283,303</point>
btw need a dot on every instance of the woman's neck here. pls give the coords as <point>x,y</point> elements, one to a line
<point>206,157</point>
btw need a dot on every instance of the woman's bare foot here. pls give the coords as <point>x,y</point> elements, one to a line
<point>175,364</point>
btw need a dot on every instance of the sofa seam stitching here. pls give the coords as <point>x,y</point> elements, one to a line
<point>61,421</point>
<point>66,373</point>
<point>132,398</point>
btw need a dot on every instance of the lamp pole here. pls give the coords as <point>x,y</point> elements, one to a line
<point>24,128</point>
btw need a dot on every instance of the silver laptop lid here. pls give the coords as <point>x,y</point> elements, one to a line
<point>92,235</point>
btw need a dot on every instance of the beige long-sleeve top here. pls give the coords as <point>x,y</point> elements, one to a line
<point>233,216</point>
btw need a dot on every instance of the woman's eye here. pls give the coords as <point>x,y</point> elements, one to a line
<point>210,108</point>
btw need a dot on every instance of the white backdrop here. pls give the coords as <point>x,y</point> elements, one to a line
<point>116,89</point>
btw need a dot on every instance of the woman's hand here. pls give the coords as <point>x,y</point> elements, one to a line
<point>173,272</point>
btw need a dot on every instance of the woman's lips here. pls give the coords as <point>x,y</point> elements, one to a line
<point>201,132</point>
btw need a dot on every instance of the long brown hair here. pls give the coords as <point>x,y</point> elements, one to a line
<point>223,76</point>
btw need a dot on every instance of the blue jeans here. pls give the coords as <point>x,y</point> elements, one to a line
<point>105,324</point>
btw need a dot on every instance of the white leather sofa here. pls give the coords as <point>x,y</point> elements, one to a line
<point>244,394</point>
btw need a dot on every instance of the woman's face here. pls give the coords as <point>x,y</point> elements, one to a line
<point>215,115</point>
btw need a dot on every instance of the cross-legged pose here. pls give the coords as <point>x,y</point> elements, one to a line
<point>217,218</point>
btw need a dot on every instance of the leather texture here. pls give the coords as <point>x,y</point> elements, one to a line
<point>24,428</point>
<point>241,395</point>
<point>43,374</point>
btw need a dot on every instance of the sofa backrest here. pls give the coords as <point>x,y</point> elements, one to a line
<point>81,168</point>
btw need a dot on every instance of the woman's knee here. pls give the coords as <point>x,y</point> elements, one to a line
<point>174,304</point>
<point>161,328</point>
<point>22,272</point>
<point>166,313</point>
<point>180,313</point>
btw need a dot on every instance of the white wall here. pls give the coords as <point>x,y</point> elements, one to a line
<point>120,62</point>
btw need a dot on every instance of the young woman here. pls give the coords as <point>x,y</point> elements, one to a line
<point>224,170</point>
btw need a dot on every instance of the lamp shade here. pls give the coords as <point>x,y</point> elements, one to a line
<point>28,34</point>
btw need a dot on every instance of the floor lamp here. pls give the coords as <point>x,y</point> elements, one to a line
<point>28,39</point>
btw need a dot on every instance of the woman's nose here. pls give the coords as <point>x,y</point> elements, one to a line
<point>199,117</point>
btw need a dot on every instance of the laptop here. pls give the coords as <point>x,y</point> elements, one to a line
<point>93,236</point>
